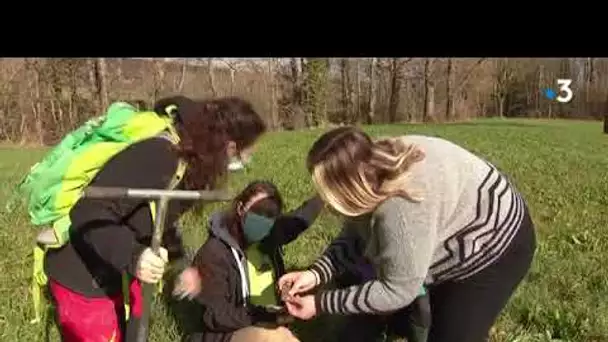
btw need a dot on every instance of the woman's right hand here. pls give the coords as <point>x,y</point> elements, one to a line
<point>150,266</point>
<point>301,282</point>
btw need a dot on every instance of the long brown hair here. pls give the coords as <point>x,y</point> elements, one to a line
<point>354,174</point>
<point>205,128</point>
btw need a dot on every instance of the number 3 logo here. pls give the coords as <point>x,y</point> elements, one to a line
<point>564,89</point>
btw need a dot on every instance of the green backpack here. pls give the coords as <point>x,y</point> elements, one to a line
<point>54,185</point>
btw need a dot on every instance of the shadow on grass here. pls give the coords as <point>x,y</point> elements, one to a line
<point>322,329</point>
<point>186,314</point>
<point>498,124</point>
<point>49,318</point>
<point>49,322</point>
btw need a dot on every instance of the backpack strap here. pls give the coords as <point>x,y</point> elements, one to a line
<point>39,280</point>
<point>172,136</point>
<point>45,240</point>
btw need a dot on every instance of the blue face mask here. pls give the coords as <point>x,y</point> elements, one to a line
<point>256,227</point>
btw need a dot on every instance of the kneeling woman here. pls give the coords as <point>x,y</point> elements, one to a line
<point>240,263</point>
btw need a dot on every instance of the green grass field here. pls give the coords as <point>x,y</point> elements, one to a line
<point>560,166</point>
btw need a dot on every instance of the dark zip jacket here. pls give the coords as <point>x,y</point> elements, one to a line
<point>107,236</point>
<point>225,310</point>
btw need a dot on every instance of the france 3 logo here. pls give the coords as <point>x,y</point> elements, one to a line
<point>564,93</point>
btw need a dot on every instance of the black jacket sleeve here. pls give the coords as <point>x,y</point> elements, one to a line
<point>172,239</point>
<point>222,312</point>
<point>289,226</point>
<point>173,242</point>
<point>147,164</point>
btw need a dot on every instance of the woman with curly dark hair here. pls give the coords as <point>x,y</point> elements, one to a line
<point>110,238</point>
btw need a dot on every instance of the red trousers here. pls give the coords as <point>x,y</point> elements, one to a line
<point>99,319</point>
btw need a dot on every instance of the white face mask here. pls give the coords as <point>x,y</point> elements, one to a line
<point>240,159</point>
<point>237,163</point>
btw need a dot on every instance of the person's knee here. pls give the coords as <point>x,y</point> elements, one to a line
<point>283,334</point>
<point>263,334</point>
<point>247,334</point>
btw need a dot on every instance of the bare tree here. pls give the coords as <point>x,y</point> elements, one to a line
<point>452,89</point>
<point>448,93</point>
<point>397,65</point>
<point>589,70</point>
<point>316,71</point>
<point>159,78</point>
<point>10,69</point>
<point>296,116</point>
<point>357,96</point>
<point>92,78</point>
<point>429,91</point>
<point>372,91</point>
<point>179,86</point>
<point>232,69</point>
<point>211,77</point>
<point>606,116</point>
<point>273,93</point>
<point>36,107</point>
<point>347,110</point>
<point>296,79</point>
<point>503,79</point>
<point>101,80</point>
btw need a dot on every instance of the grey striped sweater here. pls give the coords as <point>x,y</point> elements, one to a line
<point>469,215</point>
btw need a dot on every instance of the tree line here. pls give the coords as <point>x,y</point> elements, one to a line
<point>44,98</point>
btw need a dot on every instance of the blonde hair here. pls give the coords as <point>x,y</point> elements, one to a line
<point>354,175</point>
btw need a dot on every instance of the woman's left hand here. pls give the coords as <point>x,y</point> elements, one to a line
<point>188,284</point>
<point>302,307</point>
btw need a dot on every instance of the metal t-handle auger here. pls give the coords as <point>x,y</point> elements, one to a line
<point>163,197</point>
